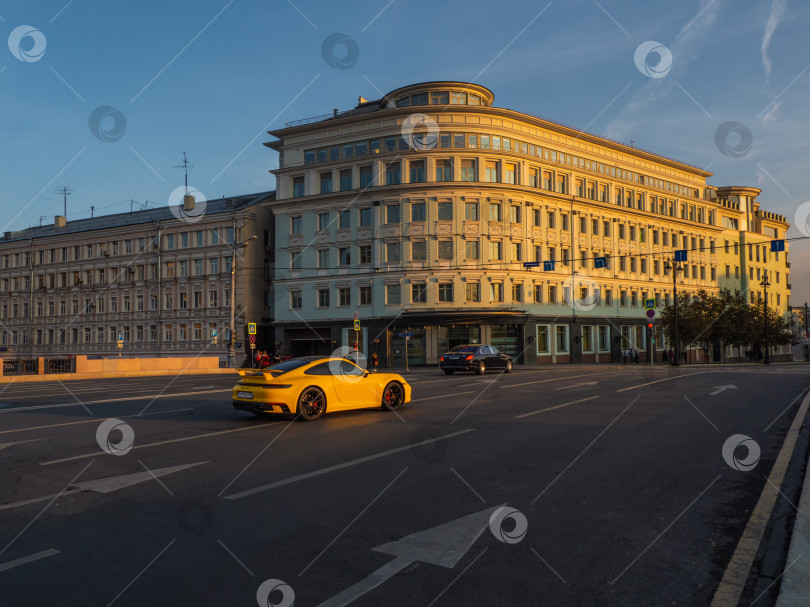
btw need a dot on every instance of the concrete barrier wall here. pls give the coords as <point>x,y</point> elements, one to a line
<point>126,367</point>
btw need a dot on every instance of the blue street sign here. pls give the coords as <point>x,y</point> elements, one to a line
<point>600,262</point>
<point>548,266</point>
<point>531,264</point>
<point>406,334</point>
<point>680,255</point>
<point>120,337</point>
<point>213,332</point>
<point>777,245</point>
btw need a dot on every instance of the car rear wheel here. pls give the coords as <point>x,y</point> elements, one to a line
<point>481,369</point>
<point>311,404</point>
<point>449,371</point>
<point>393,396</point>
<point>508,368</point>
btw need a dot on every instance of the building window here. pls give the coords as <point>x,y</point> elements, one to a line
<point>392,213</point>
<point>393,252</point>
<point>419,293</point>
<point>344,296</point>
<point>444,170</point>
<point>419,250</point>
<point>418,212</point>
<point>517,251</point>
<point>323,258</point>
<point>323,298</point>
<point>496,250</point>
<point>517,293</point>
<point>345,180</point>
<point>345,219</point>
<point>471,250</point>
<point>473,291</point>
<point>491,171</point>
<point>587,338</point>
<point>326,182</point>
<point>323,221</point>
<point>561,339</point>
<point>509,172</point>
<point>295,225</point>
<point>295,260</point>
<point>366,180</point>
<point>468,170</point>
<point>445,249</point>
<point>495,213</point>
<point>393,174</point>
<point>365,296</point>
<point>295,300</point>
<point>552,294</point>
<point>417,171</point>
<point>393,294</point>
<point>365,253</point>
<point>298,187</point>
<point>446,292</point>
<point>471,211</point>
<point>445,211</point>
<point>365,216</point>
<point>543,345</point>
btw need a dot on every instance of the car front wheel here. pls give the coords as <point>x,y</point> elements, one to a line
<point>481,369</point>
<point>311,404</point>
<point>393,396</point>
<point>508,366</point>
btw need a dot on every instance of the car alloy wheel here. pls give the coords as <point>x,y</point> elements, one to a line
<point>311,404</point>
<point>508,366</point>
<point>393,395</point>
<point>482,368</point>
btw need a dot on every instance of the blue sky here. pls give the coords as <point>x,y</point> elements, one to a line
<point>210,77</point>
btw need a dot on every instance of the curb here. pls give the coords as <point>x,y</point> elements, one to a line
<point>59,377</point>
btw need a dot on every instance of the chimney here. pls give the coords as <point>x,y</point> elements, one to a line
<point>334,112</point>
<point>188,202</point>
<point>59,221</point>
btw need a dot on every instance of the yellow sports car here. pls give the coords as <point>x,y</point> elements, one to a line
<point>311,385</point>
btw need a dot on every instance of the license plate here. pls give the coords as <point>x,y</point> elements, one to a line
<point>244,394</point>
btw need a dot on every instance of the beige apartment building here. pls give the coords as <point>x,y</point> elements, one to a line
<point>157,279</point>
<point>433,214</point>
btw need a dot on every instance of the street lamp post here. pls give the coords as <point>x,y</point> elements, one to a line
<point>232,341</point>
<point>765,284</point>
<point>675,267</point>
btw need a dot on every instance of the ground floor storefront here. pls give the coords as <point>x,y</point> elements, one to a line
<point>414,340</point>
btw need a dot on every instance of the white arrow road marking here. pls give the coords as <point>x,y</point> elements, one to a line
<point>106,485</point>
<point>444,545</point>
<point>20,442</point>
<point>722,389</point>
<point>27,559</point>
<point>584,383</point>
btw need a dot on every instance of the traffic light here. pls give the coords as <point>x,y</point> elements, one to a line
<point>650,333</point>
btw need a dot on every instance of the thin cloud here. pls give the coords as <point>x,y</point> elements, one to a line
<point>777,13</point>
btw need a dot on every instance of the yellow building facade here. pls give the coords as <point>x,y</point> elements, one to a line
<point>434,213</point>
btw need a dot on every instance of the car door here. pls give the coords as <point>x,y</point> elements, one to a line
<point>354,388</point>
<point>494,360</point>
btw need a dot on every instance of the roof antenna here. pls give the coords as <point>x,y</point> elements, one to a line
<point>185,166</point>
<point>92,209</point>
<point>65,192</point>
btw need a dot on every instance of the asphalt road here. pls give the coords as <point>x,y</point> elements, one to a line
<point>614,480</point>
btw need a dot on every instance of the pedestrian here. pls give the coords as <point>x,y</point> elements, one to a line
<point>276,357</point>
<point>375,361</point>
<point>636,358</point>
<point>265,360</point>
<point>624,356</point>
<point>257,360</point>
<point>664,356</point>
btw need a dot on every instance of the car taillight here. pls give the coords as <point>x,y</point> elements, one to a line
<point>442,359</point>
<point>470,357</point>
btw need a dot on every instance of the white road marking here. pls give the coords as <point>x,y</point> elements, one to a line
<point>163,442</point>
<point>20,442</point>
<point>90,421</point>
<point>573,402</point>
<point>442,396</point>
<point>104,485</point>
<point>658,381</point>
<point>582,383</point>
<point>28,559</point>
<point>114,400</point>
<point>354,462</point>
<point>542,381</point>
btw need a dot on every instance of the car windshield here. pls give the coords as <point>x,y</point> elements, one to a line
<point>464,349</point>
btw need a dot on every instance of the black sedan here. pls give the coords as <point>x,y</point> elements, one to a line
<point>478,358</point>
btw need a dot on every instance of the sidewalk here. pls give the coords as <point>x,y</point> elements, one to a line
<point>795,588</point>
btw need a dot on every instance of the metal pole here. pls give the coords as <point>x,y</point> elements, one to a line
<point>406,348</point>
<point>677,357</point>
<point>231,350</point>
<point>767,360</point>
